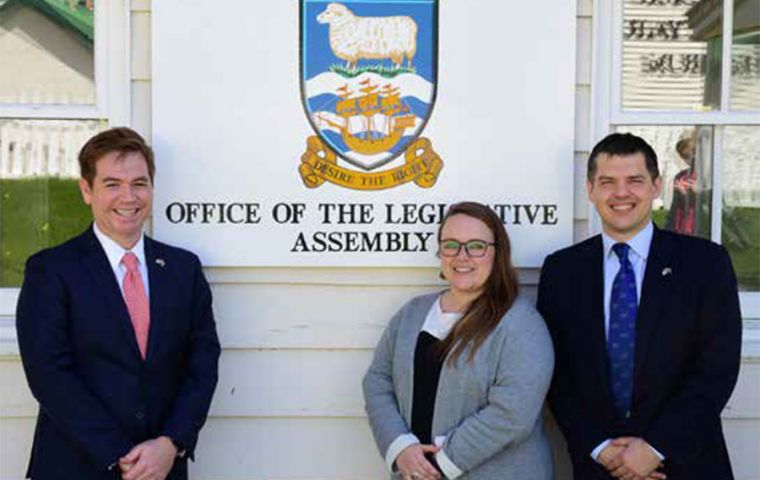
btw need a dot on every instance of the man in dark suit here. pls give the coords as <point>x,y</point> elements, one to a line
<point>116,333</point>
<point>647,333</point>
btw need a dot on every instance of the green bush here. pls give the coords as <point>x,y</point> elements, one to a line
<point>740,234</point>
<point>36,213</point>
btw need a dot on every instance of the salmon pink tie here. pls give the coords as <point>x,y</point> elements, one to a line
<point>137,301</point>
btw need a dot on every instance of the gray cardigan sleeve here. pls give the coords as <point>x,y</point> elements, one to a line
<point>516,397</point>
<point>380,400</point>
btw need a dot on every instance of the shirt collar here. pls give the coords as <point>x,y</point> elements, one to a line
<point>115,252</point>
<point>639,243</point>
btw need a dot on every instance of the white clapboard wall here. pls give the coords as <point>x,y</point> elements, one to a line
<point>297,341</point>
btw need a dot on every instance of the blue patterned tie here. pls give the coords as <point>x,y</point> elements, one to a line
<point>621,338</point>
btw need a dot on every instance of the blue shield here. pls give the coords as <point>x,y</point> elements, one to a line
<point>368,74</point>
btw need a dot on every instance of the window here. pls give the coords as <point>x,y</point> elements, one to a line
<point>64,77</point>
<point>685,75</point>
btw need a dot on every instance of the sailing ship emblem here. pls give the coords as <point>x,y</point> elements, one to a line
<point>368,84</point>
<point>371,138</point>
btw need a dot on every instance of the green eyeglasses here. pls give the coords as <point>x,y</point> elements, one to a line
<point>473,248</point>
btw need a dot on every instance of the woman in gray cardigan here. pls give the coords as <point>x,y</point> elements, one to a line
<point>458,380</point>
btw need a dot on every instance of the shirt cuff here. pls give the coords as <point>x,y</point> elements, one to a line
<point>656,452</point>
<point>449,469</point>
<point>595,452</point>
<point>181,451</point>
<point>397,446</point>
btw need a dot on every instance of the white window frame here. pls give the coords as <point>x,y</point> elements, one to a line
<point>112,93</point>
<point>607,112</point>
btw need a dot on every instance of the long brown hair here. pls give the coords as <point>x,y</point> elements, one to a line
<point>500,292</point>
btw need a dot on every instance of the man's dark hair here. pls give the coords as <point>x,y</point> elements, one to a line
<point>623,144</point>
<point>119,139</point>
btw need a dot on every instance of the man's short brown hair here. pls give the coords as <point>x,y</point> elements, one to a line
<point>119,139</point>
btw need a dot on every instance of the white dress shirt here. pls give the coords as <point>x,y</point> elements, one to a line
<point>115,253</point>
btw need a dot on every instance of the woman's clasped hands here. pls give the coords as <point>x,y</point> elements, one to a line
<point>413,465</point>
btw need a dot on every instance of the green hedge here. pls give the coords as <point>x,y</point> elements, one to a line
<point>741,236</point>
<point>36,213</point>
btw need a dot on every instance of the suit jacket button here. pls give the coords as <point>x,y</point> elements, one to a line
<point>140,415</point>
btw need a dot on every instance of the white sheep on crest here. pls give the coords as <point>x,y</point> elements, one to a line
<point>353,38</point>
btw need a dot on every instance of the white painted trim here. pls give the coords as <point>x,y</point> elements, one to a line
<point>101,57</point>
<point>616,74</point>
<point>600,72</point>
<point>684,118</point>
<point>8,299</point>
<point>750,305</point>
<point>8,343</point>
<point>601,85</point>
<point>594,221</point>
<point>114,86</point>
<point>716,215</point>
<point>725,69</point>
<point>751,341</point>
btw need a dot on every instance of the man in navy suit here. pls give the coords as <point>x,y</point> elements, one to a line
<point>116,333</point>
<point>647,333</point>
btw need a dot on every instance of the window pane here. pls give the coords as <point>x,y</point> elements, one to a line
<point>741,202</point>
<point>46,52</point>
<point>685,157</point>
<point>745,56</point>
<point>40,204</point>
<point>671,55</point>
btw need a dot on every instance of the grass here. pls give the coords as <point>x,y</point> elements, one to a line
<point>382,70</point>
<point>36,213</point>
<point>660,217</point>
<point>741,236</point>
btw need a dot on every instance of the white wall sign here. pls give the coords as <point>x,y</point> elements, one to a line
<point>316,133</point>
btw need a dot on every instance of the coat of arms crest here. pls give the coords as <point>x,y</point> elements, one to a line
<point>368,84</point>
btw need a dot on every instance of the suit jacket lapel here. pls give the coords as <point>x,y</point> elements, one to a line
<point>593,310</point>
<point>655,290</point>
<point>96,262</point>
<point>158,278</point>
